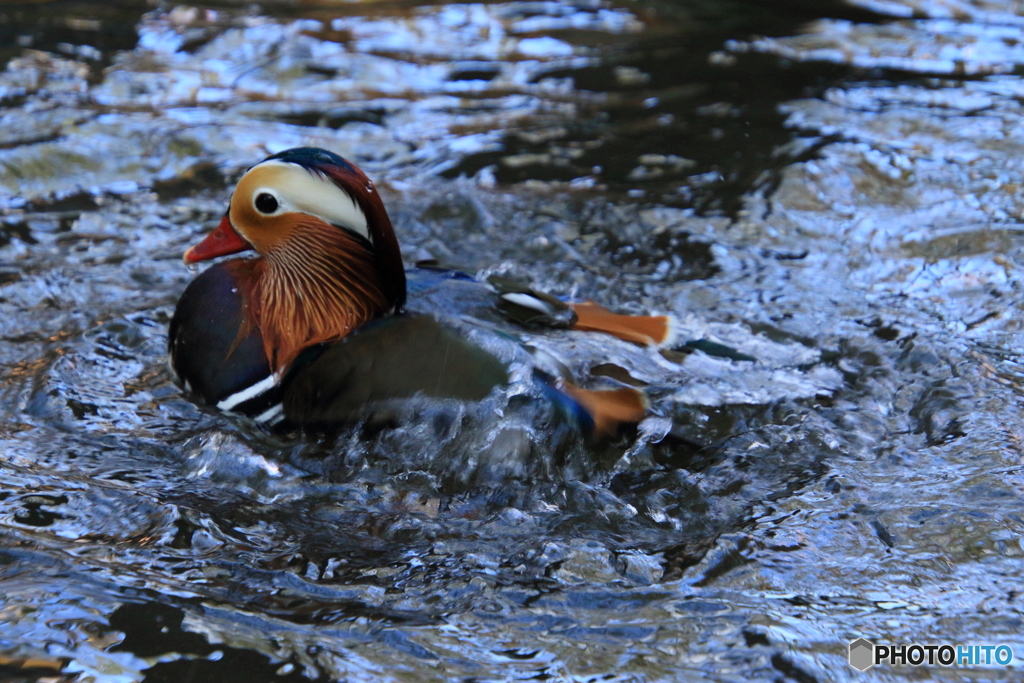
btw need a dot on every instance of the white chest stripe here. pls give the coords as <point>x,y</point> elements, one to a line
<point>272,415</point>
<point>244,395</point>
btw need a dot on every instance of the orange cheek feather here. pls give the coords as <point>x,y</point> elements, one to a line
<point>222,241</point>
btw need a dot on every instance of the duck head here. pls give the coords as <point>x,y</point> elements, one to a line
<point>328,259</point>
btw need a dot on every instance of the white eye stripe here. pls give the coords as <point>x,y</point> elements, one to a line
<point>299,190</point>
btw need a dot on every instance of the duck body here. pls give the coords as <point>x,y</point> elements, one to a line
<point>221,359</point>
<point>326,324</point>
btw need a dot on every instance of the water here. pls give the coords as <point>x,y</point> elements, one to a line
<point>833,189</point>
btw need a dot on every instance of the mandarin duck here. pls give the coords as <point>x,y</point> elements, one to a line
<point>326,322</point>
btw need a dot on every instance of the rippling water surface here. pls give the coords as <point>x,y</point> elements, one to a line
<point>833,189</point>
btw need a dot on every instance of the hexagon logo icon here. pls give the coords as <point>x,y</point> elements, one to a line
<point>862,654</point>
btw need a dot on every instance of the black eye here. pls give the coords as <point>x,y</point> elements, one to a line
<point>266,202</point>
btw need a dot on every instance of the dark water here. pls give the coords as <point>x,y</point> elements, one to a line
<point>833,189</point>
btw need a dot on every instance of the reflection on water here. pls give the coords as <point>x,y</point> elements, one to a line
<point>89,31</point>
<point>816,187</point>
